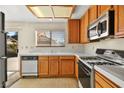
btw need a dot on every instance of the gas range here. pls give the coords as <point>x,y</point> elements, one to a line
<point>86,71</point>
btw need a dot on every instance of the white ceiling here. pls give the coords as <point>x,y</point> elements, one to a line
<point>21,13</point>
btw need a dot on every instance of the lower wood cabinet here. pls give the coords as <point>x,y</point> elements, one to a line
<point>53,66</point>
<point>43,66</point>
<point>67,65</point>
<point>56,66</point>
<point>103,82</point>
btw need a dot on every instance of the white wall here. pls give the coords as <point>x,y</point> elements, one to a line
<point>26,33</point>
<point>106,44</point>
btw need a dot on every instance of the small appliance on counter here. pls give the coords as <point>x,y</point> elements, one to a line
<point>104,57</point>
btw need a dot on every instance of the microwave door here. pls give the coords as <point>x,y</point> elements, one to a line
<point>104,29</point>
<point>93,33</point>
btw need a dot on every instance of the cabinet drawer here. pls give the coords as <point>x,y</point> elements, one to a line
<point>53,58</point>
<point>43,58</point>
<point>104,82</point>
<point>67,57</point>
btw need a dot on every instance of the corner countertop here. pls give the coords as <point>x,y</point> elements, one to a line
<point>114,73</point>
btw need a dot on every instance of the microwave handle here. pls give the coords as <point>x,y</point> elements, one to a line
<point>99,29</point>
<point>88,34</point>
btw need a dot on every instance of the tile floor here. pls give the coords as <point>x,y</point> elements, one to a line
<point>46,83</point>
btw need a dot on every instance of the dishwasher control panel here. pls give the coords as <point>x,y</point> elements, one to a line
<point>29,57</point>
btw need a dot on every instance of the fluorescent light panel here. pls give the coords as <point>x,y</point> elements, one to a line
<point>42,11</point>
<point>62,11</point>
<point>51,11</point>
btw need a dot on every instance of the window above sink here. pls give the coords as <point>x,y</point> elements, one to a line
<point>50,38</point>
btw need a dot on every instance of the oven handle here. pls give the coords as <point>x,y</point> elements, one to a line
<point>85,70</point>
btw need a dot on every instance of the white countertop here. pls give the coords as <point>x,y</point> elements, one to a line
<point>114,73</point>
<point>53,54</point>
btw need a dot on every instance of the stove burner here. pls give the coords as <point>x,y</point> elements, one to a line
<point>94,60</point>
<point>100,63</point>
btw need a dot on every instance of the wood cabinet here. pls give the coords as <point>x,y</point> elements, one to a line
<point>103,82</point>
<point>93,13</point>
<point>56,66</point>
<point>43,66</point>
<point>53,66</point>
<point>103,8</point>
<point>67,65</point>
<point>84,28</point>
<point>119,20</point>
<point>73,30</point>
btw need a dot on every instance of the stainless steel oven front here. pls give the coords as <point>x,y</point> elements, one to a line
<point>85,75</point>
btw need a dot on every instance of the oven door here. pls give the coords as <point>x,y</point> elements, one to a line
<point>84,75</point>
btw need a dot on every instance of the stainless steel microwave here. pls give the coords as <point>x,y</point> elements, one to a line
<point>102,27</point>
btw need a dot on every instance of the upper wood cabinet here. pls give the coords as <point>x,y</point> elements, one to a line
<point>73,30</point>
<point>103,82</point>
<point>53,66</point>
<point>43,66</point>
<point>67,65</point>
<point>103,8</point>
<point>119,20</point>
<point>84,22</point>
<point>93,13</point>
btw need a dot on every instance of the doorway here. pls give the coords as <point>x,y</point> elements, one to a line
<point>12,58</point>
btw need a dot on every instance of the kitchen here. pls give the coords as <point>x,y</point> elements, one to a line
<point>85,48</point>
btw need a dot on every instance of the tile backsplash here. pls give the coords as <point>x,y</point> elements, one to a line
<point>105,44</point>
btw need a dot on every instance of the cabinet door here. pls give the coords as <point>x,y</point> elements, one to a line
<point>53,66</point>
<point>73,31</point>
<point>86,23</point>
<point>92,13</point>
<point>119,20</point>
<point>103,8</point>
<point>84,28</point>
<point>43,66</point>
<point>67,66</point>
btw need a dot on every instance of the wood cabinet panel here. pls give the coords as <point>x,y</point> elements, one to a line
<point>82,33</point>
<point>73,30</point>
<point>67,66</point>
<point>43,66</point>
<point>119,20</point>
<point>84,28</point>
<point>102,81</point>
<point>53,66</point>
<point>103,8</point>
<point>93,13</point>
<point>76,67</point>
<point>98,85</point>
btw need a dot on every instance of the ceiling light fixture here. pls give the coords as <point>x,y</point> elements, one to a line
<point>52,11</point>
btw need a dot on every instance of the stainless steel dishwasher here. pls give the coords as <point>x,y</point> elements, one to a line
<point>29,65</point>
